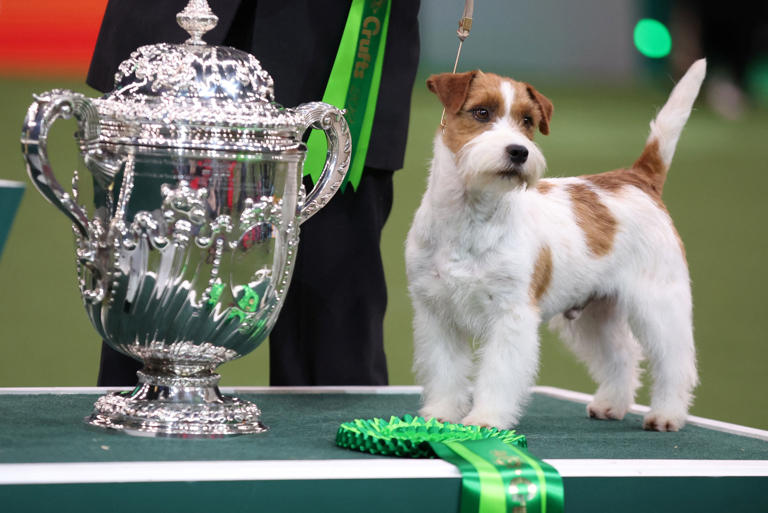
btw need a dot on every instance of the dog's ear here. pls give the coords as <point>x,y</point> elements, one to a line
<point>545,108</point>
<point>451,88</point>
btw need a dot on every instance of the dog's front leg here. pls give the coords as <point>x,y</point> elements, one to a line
<point>507,367</point>
<point>442,364</point>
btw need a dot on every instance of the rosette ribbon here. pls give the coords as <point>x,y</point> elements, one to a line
<point>498,473</point>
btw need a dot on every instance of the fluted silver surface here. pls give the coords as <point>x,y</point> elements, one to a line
<point>186,240</point>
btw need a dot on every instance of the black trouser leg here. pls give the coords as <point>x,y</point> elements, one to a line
<point>330,330</point>
<point>116,369</point>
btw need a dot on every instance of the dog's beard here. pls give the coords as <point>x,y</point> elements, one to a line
<point>514,173</point>
<point>484,161</point>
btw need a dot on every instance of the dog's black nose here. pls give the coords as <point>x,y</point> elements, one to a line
<point>518,154</point>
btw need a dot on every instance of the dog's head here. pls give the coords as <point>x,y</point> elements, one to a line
<point>490,122</point>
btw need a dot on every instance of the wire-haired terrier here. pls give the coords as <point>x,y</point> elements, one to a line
<point>494,250</point>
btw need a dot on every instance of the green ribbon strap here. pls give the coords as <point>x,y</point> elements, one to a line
<point>354,85</point>
<point>499,477</point>
<point>498,474</point>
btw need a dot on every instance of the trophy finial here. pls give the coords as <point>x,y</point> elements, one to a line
<point>197,19</point>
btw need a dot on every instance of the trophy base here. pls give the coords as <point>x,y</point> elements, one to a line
<point>165,405</point>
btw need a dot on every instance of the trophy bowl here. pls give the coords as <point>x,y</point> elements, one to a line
<point>185,252</point>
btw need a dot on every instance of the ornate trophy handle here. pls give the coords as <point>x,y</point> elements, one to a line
<point>46,109</point>
<point>330,120</point>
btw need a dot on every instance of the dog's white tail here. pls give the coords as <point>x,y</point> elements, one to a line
<point>669,122</point>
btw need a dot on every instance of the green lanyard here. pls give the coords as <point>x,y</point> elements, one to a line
<point>354,85</point>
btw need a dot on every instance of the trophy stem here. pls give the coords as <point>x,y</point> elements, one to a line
<point>168,405</point>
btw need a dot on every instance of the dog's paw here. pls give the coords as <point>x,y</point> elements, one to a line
<point>441,414</point>
<point>471,420</point>
<point>660,421</point>
<point>486,420</point>
<point>605,411</point>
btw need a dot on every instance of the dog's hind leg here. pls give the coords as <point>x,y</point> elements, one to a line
<point>661,317</point>
<point>443,366</point>
<point>602,339</point>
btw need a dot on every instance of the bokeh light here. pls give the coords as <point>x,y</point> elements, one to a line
<point>652,38</point>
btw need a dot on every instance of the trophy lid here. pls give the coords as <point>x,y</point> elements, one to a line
<point>193,95</point>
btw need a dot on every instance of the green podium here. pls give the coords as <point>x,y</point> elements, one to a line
<point>51,461</point>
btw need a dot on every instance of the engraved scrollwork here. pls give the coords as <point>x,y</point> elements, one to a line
<point>263,211</point>
<point>196,96</point>
<point>146,225</point>
<point>206,73</point>
<point>331,121</point>
<point>88,252</point>
<point>41,115</point>
<point>206,97</point>
<point>218,417</point>
<point>292,242</point>
<point>183,199</point>
<point>222,224</point>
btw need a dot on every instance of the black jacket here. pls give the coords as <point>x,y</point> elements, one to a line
<point>296,42</point>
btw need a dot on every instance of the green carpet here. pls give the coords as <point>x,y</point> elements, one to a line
<point>49,428</point>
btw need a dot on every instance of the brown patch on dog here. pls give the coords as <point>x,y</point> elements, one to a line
<point>531,103</point>
<point>544,186</point>
<point>522,106</point>
<point>544,106</point>
<point>451,88</point>
<point>460,125</point>
<point>542,274</point>
<point>652,165</point>
<point>594,218</point>
<point>648,174</point>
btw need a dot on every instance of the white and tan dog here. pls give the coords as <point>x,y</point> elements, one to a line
<point>493,251</point>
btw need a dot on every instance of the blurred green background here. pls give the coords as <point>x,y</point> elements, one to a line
<point>715,193</point>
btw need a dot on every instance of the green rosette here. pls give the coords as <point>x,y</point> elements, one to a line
<point>410,437</point>
<point>498,474</point>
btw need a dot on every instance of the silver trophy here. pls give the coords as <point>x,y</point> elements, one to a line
<point>185,255</point>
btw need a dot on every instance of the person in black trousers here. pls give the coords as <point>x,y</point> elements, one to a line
<point>330,329</point>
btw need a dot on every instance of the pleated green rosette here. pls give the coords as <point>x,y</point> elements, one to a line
<point>498,474</point>
<point>411,437</point>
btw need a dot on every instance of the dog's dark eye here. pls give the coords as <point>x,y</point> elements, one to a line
<point>528,121</point>
<point>481,114</point>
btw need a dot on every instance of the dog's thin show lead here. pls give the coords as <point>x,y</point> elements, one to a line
<point>465,25</point>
